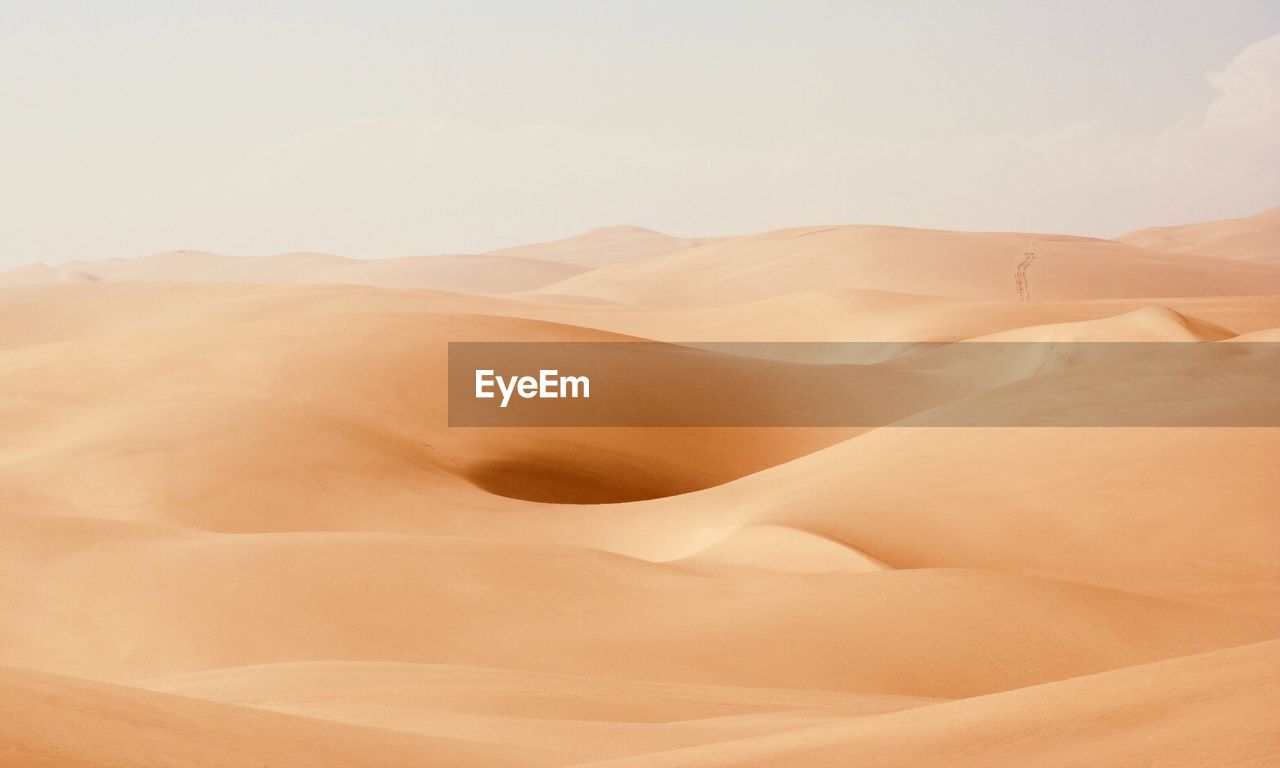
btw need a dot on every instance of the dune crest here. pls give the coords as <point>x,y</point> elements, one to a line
<point>603,246</point>
<point>969,265</point>
<point>237,528</point>
<point>1251,239</point>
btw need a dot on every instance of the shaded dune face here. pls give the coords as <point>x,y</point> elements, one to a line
<point>237,529</point>
<point>607,465</point>
<point>342,387</point>
<point>546,479</point>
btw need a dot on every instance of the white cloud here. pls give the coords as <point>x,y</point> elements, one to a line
<point>391,187</point>
<point>1248,89</point>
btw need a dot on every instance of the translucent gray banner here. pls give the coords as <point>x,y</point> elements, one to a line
<point>864,384</point>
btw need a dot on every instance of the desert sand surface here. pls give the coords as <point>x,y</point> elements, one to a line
<point>1248,239</point>
<point>507,270</point>
<point>236,528</point>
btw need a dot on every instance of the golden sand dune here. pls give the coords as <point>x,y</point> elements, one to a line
<point>1253,239</point>
<point>601,247</point>
<point>578,718</point>
<point>997,266</point>
<point>487,691</point>
<point>1099,489</point>
<point>61,722</point>
<point>1151,323</point>
<point>782,548</point>
<point>300,367</point>
<point>180,267</point>
<point>39,314</point>
<point>877,316</point>
<point>1267,334</point>
<point>633,265</point>
<point>1211,709</point>
<point>521,268</point>
<point>466,274</point>
<point>153,606</point>
<point>236,516</point>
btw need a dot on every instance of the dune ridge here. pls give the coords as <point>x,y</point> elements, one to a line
<point>1254,239</point>
<point>236,528</point>
<point>1185,712</point>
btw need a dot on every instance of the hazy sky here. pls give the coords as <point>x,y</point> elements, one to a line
<point>396,128</point>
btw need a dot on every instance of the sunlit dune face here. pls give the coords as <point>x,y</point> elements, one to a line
<point>325,443</point>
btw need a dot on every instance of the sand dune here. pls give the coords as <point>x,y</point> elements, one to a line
<point>174,607</point>
<point>66,723</point>
<point>1212,709</point>
<point>430,599</point>
<point>875,494</point>
<point>298,366</point>
<point>1151,323</point>
<point>1253,239</point>
<point>484,691</point>
<point>601,247</point>
<point>782,548</point>
<point>638,266</point>
<point>464,274</point>
<point>198,267</point>
<point>237,529</point>
<point>576,718</point>
<point>1267,334</point>
<point>993,266</point>
<point>521,268</point>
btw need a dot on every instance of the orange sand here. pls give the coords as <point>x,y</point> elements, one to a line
<point>236,530</point>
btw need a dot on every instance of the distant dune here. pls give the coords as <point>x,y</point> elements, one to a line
<point>236,528</point>
<point>602,247</point>
<point>992,266</point>
<point>461,274</point>
<point>1254,239</point>
<point>521,268</point>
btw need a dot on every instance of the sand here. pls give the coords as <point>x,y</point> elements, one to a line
<point>1248,239</point>
<point>236,529</point>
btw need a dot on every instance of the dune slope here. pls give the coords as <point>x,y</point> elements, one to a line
<point>992,266</point>
<point>1212,709</point>
<point>237,528</point>
<point>61,722</point>
<point>1253,239</point>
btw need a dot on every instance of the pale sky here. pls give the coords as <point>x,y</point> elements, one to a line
<point>397,128</point>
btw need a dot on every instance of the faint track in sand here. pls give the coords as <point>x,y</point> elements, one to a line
<point>1020,278</point>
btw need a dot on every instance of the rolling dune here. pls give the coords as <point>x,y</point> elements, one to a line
<point>57,721</point>
<point>1248,239</point>
<point>992,266</point>
<point>153,606</point>
<point>602,247</point>
<point>1201,710</point>
<point>237,529</point>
